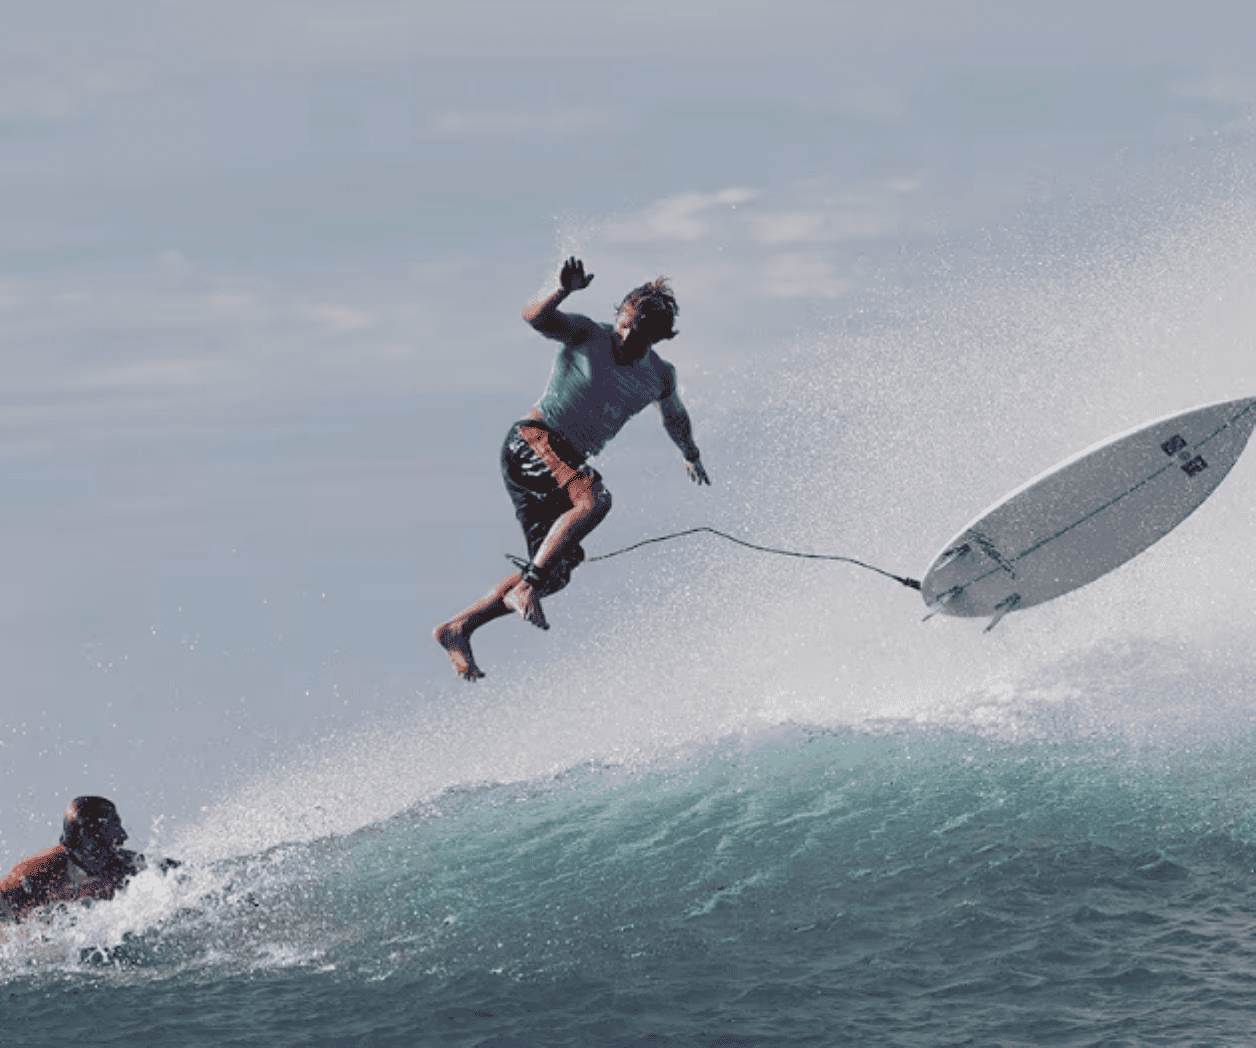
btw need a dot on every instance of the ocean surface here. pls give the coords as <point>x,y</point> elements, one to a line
<point>1064,861</point>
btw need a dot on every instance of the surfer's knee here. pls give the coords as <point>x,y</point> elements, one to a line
<point>598,505</point>
<point>589,496</point>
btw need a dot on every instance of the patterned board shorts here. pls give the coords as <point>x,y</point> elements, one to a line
<point>536,473</point>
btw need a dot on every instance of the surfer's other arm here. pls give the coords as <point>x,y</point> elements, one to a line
<point>543,314</point>
<point>680,429</point>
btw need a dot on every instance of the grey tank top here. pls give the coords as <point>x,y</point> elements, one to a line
<point>590,397</point>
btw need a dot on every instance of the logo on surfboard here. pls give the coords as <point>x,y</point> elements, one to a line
<point>1176,447</point>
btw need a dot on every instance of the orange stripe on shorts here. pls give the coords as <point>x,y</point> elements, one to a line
<point>538,441</point>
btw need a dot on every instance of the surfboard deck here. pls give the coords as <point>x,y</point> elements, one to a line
<point>1089,514</point>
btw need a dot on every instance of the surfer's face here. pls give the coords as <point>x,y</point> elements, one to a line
<point>632,342</point>
<point>625,321</point>
<point>99,843</point>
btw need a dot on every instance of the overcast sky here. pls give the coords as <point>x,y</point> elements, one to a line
<point>261,267</point>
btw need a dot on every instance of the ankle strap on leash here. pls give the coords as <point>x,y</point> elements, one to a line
<point>532,575</point>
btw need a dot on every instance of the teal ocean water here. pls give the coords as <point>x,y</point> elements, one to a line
<point>1070,864</point>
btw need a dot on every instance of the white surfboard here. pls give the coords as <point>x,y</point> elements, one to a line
<point>1089,514</point>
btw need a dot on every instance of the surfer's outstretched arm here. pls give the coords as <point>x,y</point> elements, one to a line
<point>543,314</point>
<point>680,429</point>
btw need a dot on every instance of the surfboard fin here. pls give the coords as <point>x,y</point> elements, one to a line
<point>942,600</point>
<point>1001,609</point>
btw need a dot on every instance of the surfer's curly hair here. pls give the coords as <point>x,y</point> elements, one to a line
<point>655,308</point>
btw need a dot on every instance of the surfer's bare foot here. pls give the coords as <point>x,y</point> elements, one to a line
<point>458,648</point>
<point>527,605</point>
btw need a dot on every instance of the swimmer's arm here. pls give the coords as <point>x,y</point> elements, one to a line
<point>21,889</point>
<point>140,862</point>
<point>680,429</point>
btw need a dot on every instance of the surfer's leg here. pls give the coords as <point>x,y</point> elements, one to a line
<point>590,502</point>
<point>556,505</point>
<point>539,500</point>
<point>455,635</point>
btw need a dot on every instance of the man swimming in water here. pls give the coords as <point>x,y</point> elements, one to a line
<point>89,863</point>
<point>603,375</point>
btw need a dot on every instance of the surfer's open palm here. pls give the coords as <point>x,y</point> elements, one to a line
<point>573,277</point>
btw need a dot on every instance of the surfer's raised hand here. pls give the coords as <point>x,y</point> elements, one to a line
<point>543,314</point>
<point>573,276</point>
<point>696,473</point>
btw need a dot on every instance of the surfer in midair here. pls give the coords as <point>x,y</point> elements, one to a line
<point>603,375</point>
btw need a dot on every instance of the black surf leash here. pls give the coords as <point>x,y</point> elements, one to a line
<point>909,583</point>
